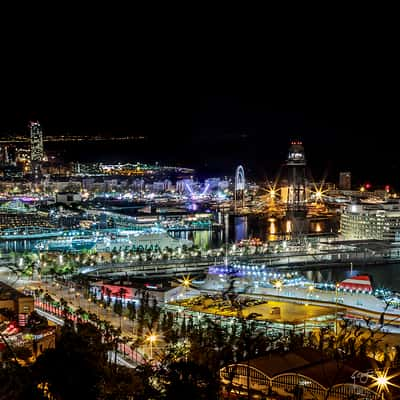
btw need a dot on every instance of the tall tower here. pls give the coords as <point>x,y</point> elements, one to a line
<point>296,165</point>
<point>36,148</point>
<point>296,190</point>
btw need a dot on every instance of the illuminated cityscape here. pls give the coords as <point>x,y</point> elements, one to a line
<point>142,270</point>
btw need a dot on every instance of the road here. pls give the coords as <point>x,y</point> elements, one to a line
<point>128,327</point>
<point>76,299</point>
<point>111,355</point>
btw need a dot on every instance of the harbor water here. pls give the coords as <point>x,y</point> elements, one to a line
<point>383,275</point>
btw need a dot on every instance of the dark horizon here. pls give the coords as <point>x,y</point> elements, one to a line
<point>219,132</point>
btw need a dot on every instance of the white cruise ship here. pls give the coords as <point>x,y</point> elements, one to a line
<point>148,239</point>
<point>126,240</point>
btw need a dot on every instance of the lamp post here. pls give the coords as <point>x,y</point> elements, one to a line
<point>336,304</point>
<point>186,281</point>
<point>151,338</point>
<point>278,286</point>
<point>381,381</point>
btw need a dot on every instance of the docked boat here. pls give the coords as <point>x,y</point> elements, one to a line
<point>358,283</point>
<point>122,240</point>
<point>66,244</point>
<point>142,240</point>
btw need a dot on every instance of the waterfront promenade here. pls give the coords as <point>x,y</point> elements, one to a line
<point>288,261</point>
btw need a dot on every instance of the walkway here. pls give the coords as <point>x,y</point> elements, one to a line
<point>55,315</point>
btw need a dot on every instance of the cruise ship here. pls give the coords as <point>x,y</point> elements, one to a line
<point>120,240</point>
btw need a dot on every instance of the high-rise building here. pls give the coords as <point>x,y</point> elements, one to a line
<point>345,181</point>
<point>36,142</point>
<point>36,147</point>
<point>371,221</point>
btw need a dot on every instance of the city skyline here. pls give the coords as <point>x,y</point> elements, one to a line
<point>228,130</point>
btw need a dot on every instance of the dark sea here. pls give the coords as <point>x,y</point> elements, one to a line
<point>217,156</point>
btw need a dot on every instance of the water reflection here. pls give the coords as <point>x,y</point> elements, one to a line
<point>272,226</point>
<point>288,226</point>
<point>240,232</point>
<point>382,275</point>
<point>203,239</point>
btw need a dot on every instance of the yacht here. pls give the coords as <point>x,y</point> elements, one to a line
<point>120,240</point>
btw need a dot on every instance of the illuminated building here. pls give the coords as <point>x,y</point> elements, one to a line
<point>305,373</point>
<point>371,221</point>
<point>68,197</point>
<point>86,168</point>
<point>36,148</point>
<point>161,186</point>
<point>4,155</point>
<point>162,290</point>
<point>296,164</point>
<point>16,214</point>
<point>345,181</point>
<point>295,193</point>
<point>18,332</point>
<point>16,301</point>
<point>22,155</point>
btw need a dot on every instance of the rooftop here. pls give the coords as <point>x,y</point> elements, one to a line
<point>313,364</point>
<point>8,292</point>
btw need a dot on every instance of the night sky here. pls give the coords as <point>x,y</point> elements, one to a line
<point>209,107</point>
<point>215,133</point>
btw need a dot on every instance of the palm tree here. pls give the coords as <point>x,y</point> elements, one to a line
<point>122,293</point>
<point>48,300</point>
<point>80,312</point>
<point>64,306</point>
<point>108,293</point>
<point>94,319</point>
<point>135,345</point>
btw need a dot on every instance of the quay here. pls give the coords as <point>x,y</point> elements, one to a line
<point>361,254</point>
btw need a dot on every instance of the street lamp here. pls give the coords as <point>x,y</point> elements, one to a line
<point>278,286</point>
<point>336,293</point>
<point>151,338</point>
<point>381,381</point>
<point>186,282</point>
<point>336,303</point>
<point>310,289</point>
